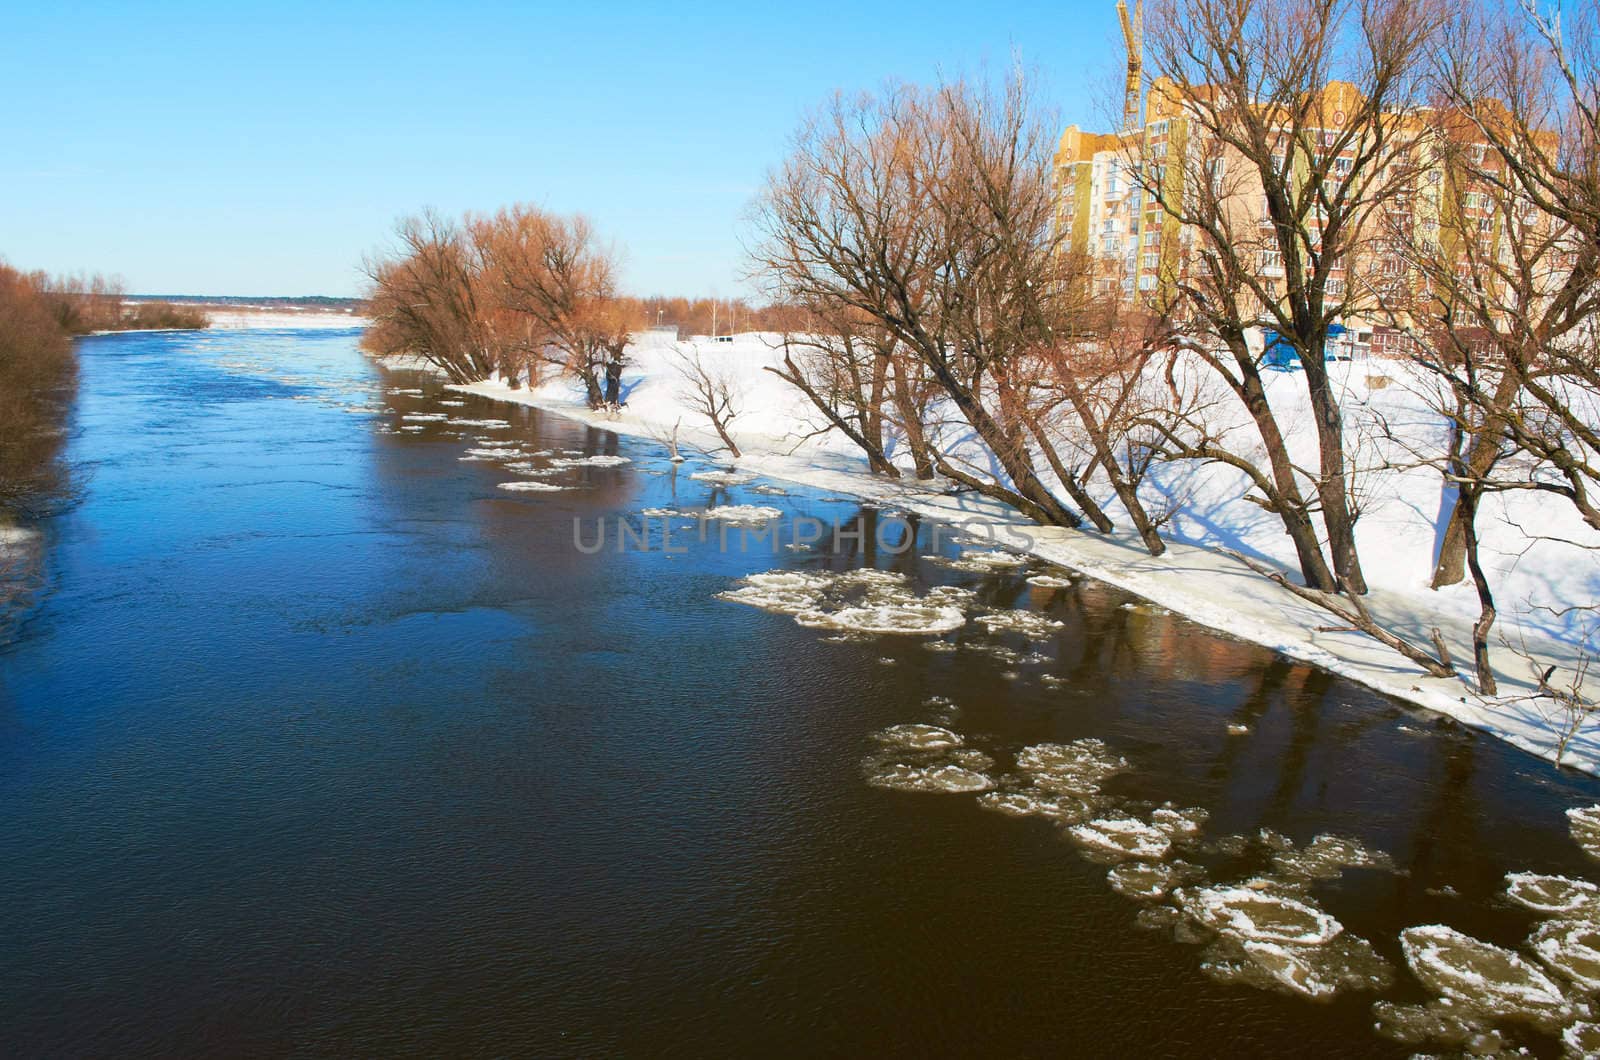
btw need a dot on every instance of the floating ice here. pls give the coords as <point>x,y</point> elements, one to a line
<point>531,470</point>
<point>1030,624</point>
<point>1485,977</point>
<point>918,738</point>
<point>1258,916</point>
<point>1316,973</point>
<point>1439,1022</point>
<point>1584,824</point>
<point>404,391</point>
<point>489,424</point>
<point>1178,824</point>
<point>425,417</point>
<point>859,601</point>
<point>495,453</point>
<point>1324,858</point>
<point>1035,803</point>
<point>981,562</point>
<point>744,514</point>
<point>597,460</point>
<point>453,404</point>
<point>1146,880</point>
<point>532,487</point>
<point>1553,895</point>
<point>1123,837</point>
<point>938,779</point>
<point>1582,1039</point>
<point>773,491</point>
<point>724,478</point>
<point>1050,581</point>
<point>1572,948</point>
<point>1235,729</point>
<point>1077,768</point>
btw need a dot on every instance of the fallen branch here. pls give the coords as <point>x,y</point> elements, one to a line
<point>1352,610</point>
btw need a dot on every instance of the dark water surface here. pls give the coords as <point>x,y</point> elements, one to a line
<point>322,743</point>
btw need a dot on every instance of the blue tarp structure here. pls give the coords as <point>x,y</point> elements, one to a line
<point>1280,352</point>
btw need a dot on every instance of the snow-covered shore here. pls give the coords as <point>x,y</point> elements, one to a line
<point>1195,578</point>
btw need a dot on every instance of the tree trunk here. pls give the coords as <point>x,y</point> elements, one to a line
<point>1292,507</point>
<point>613,395</point>
<point>1333,480</point>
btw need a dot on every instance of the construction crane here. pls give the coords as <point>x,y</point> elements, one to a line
<point>1133,35</point>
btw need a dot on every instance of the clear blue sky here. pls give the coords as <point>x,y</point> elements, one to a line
<point>261,149</point>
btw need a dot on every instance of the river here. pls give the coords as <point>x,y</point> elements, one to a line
<point>320,741</point>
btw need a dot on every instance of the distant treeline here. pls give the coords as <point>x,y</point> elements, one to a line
<point>84,304</point>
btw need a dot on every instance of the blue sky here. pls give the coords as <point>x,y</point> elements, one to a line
<point>261,149</point>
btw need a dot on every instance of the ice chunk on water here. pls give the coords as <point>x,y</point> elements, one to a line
<point>1147,881</point>
<point>1249,914</point>
<point>1122,837</point>
<point>1582,1039</point>
<point>1440,1023</point>
<point>986,562</point>
<point>597,460</point>
<point>1035,803</point>
<point>531,487</point>
<point>862,601</point>
<point>495,452</point>
<point>1050,581</point>
<point>1553,895</point>
<point>425,417</point>
<point>908,616</point>
<point>1316,973</point>
<point>918,737</point>
<point>1325,857</point>
<point>1076,768</point>
<point>1572,948</point>
<point>1481,976</point>
<point>1584,824</point>
<point>1179,824</point>
<point>1030,624</point>
<point>724,478</point>
<point>936,779</point>
<point>744,514</point>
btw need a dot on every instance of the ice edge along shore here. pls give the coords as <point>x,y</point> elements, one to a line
<point>1202,584</point>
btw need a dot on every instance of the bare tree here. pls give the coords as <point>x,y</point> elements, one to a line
<point>710,392</point>
<point>1299,128</point>
<point>554,272</point>
<point>930,213</point>
<point>427,299</point>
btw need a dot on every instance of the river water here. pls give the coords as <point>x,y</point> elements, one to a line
<point>320,741</point>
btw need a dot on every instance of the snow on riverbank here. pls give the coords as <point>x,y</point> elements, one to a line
<point>1535,572</point>
<point>237,319</point>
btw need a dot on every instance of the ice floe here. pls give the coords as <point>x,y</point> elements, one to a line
<point>1030,624</point>
<point>532,487</point>
<point>859,601</point>
<point>1553,895</point>
<point>424,417</point>
<point>1572,949</point>
<point>926,758</point>
<point>724,478</point>
<point>1258,915</point>
<point>1050,581</point>
<point>1122,837</point>
<point>744,514</point>
<point>1147,881</point>
<point>1584,824</point>
<point>1481,976</point>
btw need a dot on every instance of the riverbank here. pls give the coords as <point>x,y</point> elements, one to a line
<point>1195,578</point>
